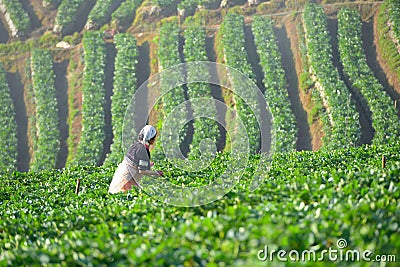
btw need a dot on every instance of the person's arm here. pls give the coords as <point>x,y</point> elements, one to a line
<point>152,173</point>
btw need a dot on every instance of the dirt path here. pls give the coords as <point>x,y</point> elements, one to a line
<point>216,92</point>
<point>35,22</point>
<point>3,32</point>
<point>61,85</point>
<point>316,132</point>
<point>142,75</point>
<point>17,95</point>
<point>75,78</point>
<point>80,19</point>
<point>303,133</point>
<point>369,45</point>
<point>108,87</point>
<point>392,78</point>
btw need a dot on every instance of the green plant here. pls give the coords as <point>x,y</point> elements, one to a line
<point>47,123</point>
<point>66,13</point>
<point>20,20</point>
<point>384,115</point>
<point>275,85</point>
<point>168,59</point>
<point>308,201</point>
<point>342,128</point>
<point>233,42</point>
<point>90,147</point>
<point>8,130</point>
<point>123,92</point>
<point>195,50</point>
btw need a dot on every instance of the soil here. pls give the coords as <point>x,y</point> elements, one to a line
<point>46,15</point>
<point>184,146</point>
<point>216,93</point>
<point>142,75</point>
<point>3,31</point>
<point>148,53</point>
<point>61,85</point>
<point>21,66</point>
<point>108,86</point>
<point>305,98</point>
<point>80,19</point>
<point>75,91</point>
<point>372,60</point>
<point>35,22</point>
<point>17,95</point>
<point>303,134</point>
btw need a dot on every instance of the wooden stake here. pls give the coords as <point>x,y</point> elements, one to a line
<point>395,104</point>
<point>78,184</point>
<point>383,161</point>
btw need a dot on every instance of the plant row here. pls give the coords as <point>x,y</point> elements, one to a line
<point>16,16</point>
<point>394,18</point>
<point>8,130</point>
<point>172,125</point>
<point>189,6</point>
<point>100,13</point>
<point>384,116</point>
<point>346,195</point>
<point>275,85</point>
<point>245,97</point>
<point>67,14</point>
<point>343,117</point>
<point>47,122</point>
<point>123,92</point>
<point>90,147</point>
<point>126,12</point>
<point>205,115</point>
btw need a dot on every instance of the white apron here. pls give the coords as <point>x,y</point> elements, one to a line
<point>126,176</point>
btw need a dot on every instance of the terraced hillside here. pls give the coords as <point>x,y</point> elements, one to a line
<point>288,76</point>
<point>316,65</point>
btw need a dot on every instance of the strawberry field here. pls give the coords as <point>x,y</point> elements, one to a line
<point>307,201</point>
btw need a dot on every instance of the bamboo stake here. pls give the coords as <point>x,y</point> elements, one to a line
<point>78,184</point>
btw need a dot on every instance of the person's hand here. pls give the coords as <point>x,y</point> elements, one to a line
<point>151,164</point>
<point>161,173</point>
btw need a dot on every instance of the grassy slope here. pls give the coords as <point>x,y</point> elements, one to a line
<point>309,200</point>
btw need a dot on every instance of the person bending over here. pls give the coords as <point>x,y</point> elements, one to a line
<point>136,163</point>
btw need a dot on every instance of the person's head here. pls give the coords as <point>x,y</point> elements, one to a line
<point>148,134</point>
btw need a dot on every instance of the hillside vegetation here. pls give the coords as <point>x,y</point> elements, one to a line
<point>308,201</point>
<point>68,74</point>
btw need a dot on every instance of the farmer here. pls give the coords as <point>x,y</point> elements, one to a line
<point>136,163</point>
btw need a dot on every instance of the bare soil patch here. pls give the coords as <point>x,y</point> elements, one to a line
<point>61,85</point>
<point>288,63</point>
<point>17,95</point>
<point>305,98</point>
